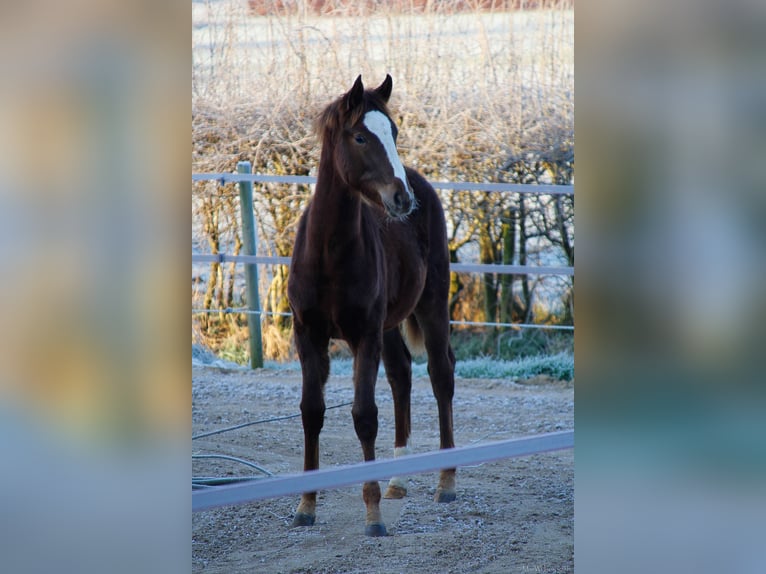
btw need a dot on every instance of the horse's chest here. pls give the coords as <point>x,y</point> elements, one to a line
<point>358,285</point>
<point>350,303</point>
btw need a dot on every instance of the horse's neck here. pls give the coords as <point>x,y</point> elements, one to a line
<point>336,213</point>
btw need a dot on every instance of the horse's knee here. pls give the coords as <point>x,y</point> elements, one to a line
<point>365,421</point>
<point>312,415</point>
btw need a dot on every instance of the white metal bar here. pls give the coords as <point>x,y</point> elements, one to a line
<point>514,325</point>
<point>253,177</point>
<point>226,258</point>
<point>246,311</point>
<point>452,185</point>
<point>243,311</point>
<point>457,267</point>
<point>379,469</point>
<point>510,269</point>
<point>505,187</point>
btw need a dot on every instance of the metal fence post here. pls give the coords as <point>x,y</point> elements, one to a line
<point>251,269</point>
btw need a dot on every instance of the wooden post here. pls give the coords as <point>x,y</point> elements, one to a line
<point>251,269</point>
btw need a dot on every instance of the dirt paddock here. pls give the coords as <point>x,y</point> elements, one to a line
<point>513,515</point>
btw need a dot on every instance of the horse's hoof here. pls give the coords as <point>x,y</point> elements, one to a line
<point>445,496</point>
<point>378,529</point>
<point>394,491</point>
<point>301,519</point>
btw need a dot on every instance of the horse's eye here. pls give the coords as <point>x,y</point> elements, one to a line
<point>359,138</point>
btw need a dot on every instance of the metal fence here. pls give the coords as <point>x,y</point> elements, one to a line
<point>251,260</point>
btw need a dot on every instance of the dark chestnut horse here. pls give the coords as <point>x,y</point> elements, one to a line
<point>370,254</point>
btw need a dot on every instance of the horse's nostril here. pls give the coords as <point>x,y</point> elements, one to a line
<point>401,203</point>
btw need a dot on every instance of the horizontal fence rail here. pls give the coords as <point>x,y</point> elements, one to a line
<point>453,185</point>
<point>380,469</point>
<point>246,311</point>
<point>458,267</point>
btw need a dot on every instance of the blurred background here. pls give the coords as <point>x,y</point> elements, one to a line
<point>671,433</point>
<point>94,383</point>
<point>94,199</point>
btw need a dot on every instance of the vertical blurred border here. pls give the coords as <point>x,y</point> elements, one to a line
<point>671,150</point>
<point>94,252</point>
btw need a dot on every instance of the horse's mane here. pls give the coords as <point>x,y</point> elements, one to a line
<point>336,115</point>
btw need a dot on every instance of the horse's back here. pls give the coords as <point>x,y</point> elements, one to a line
<point>430,216</point>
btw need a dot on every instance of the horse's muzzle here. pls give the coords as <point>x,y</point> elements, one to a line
<point>400,203</point>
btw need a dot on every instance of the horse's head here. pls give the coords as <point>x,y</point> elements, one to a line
<point>362,140</point>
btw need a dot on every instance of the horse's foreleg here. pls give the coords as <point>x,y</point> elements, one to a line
<point>312,412</point>
<point>315,367</point>
<point>365,414</point>
<point>398,361</point>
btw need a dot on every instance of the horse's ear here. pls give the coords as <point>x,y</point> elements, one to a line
<point>384,89</point>
<point>355,95</point>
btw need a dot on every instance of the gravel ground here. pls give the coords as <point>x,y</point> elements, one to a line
<point>514,515</point>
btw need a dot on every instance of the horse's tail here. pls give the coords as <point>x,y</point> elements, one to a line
<point>413,335</point>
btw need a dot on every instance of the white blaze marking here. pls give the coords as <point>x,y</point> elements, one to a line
<point>379,124</point>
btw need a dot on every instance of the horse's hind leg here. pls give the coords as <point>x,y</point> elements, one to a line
<point>315,366</point>
<point>398,361</point>
<point>441,370</point>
